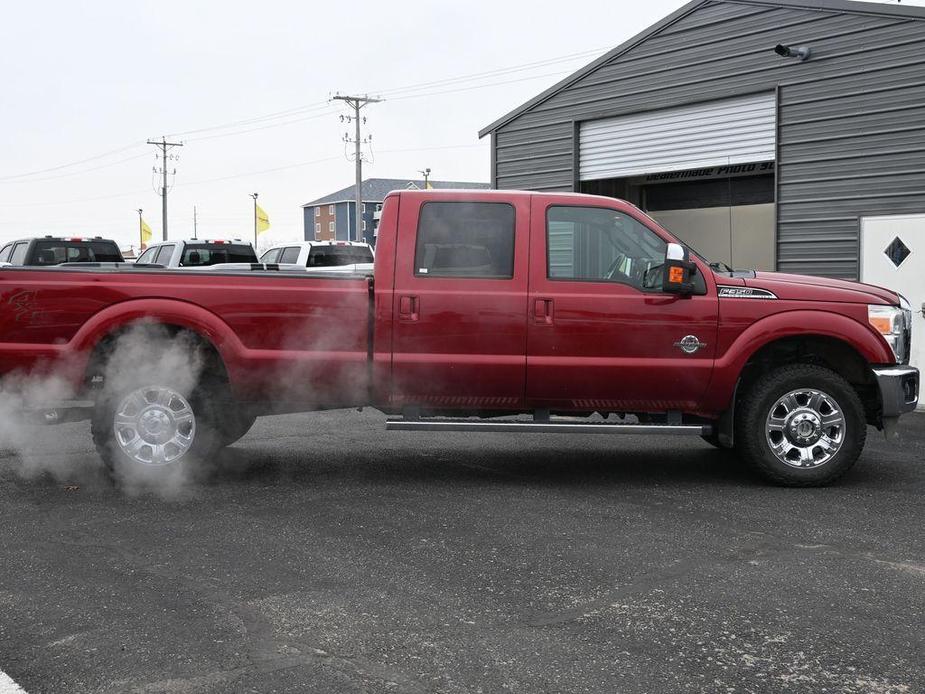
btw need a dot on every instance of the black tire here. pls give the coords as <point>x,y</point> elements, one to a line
<point>754,442</point>
<point>234,426</point>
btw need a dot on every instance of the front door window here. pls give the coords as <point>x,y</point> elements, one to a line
<point>595,244</point>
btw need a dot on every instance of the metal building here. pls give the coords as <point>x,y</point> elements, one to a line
<point>757,158</point>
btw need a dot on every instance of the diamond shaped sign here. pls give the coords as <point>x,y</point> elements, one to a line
<point>897,251</point>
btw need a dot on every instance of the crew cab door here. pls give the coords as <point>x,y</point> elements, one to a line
<point>598,338</point>
<point>460,301</point>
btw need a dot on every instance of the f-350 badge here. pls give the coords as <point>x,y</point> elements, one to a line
<point>689,344</point>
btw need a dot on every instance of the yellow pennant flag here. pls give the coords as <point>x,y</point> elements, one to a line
<point>263,220</point>
<point>146,234</point>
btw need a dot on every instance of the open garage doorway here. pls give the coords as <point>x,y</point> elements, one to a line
<point>705,171</point>
<point>726,212</point>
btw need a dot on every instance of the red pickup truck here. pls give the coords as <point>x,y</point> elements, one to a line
<point>578,313</point>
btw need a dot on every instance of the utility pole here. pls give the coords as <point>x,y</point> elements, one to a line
<point>254,195</point>
<point>357,103</point>
<point>164,146</point>
<point>426,174</point>
<point>194,222</point>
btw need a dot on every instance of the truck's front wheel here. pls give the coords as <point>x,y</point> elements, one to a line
<point>801,425</point>
<point>146,433</point>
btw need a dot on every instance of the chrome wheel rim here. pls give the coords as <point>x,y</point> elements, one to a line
<point>805,428</point>
<point>154,425</point>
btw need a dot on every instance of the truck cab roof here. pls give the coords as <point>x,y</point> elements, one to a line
<point>57,250</point>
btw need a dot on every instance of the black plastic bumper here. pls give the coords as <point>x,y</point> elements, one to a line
<point>899,389</point>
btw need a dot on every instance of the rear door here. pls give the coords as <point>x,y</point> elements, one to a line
<point>459,302</point>
<point>599,338</point>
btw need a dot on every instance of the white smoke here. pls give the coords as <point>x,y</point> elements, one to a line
<point>145,354</point>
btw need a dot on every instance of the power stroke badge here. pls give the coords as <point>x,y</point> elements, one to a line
<point>689,344</point>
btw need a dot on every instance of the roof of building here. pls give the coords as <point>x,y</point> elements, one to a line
<point>905,11</point>
<point>375,189</point>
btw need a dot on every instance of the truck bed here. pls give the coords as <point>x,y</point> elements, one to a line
<point>283,336</point>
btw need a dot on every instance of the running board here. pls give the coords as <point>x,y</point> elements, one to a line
<point>547,427</point>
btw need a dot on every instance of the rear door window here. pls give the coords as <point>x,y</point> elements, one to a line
<point>289,255</point>
<point>465,239</point>
<point>19,253</point>
<point>164,253</point>
<point>328,256</point>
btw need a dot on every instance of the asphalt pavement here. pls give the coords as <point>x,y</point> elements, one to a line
<point>322,554</point>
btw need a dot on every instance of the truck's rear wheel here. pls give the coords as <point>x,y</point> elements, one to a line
<point>801,426</point>
<point>146,433</point>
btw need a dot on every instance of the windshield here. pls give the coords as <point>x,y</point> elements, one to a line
<point>202,254</point>
<point>328,256</point>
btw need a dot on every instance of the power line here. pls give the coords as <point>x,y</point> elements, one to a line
<point>396,93</point>
<point>249,121</point>
<point>70,164</point>
<point>492,73</point>
<point>82,171</point>
<point>233,176</point>
<point>262,127</point>
<point>478,86</point>
<point>316,106</point>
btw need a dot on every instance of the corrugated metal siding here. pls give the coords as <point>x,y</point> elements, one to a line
<point>729,131</point>
<point>851,122</point>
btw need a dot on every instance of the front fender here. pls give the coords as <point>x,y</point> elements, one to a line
<point>800,323</point>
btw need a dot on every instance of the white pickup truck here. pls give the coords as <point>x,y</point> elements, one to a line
<point>199,253</point>
<point>320,254</point>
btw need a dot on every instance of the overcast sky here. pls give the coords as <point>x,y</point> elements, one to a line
<point>89,82</point>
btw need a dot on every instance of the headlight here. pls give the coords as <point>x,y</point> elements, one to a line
<point>895,324</point>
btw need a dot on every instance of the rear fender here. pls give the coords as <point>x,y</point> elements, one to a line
<point>156,311</point>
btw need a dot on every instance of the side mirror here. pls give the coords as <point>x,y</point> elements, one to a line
<point>678,270</point>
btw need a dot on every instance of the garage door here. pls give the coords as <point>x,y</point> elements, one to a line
<point>716,133</point>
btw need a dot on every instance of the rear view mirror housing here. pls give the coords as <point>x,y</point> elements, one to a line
<point>678,271</point>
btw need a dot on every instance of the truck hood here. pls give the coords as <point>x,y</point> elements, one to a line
<point>806,288</point>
